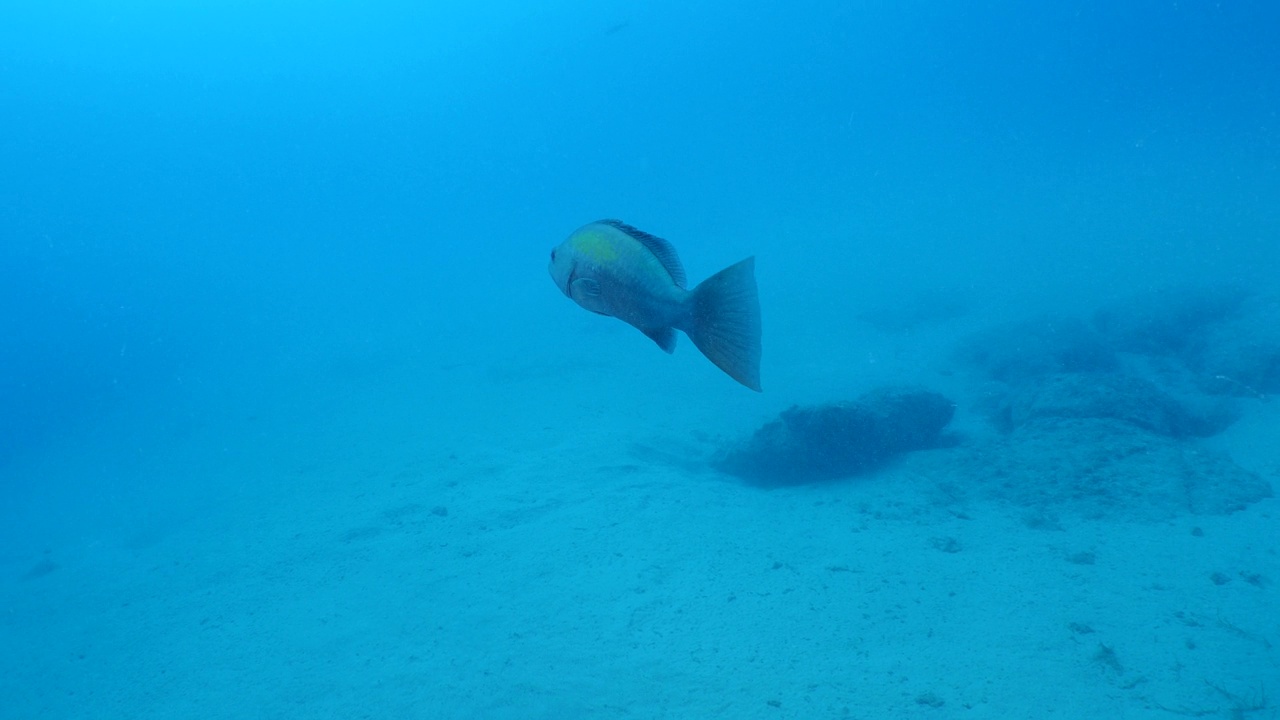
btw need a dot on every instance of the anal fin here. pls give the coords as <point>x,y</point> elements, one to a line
<point>665,337</point>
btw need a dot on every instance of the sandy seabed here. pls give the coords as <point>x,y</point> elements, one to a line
<point>367,551</point>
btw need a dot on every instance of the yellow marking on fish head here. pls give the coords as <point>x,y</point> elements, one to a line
<point>596,247</point>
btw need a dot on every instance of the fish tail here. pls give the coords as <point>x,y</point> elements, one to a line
<point>725,322</point>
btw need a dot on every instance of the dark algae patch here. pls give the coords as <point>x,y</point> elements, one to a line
<point>42,568</point>
<point>837,440</point>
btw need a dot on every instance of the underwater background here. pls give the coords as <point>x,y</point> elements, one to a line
<point>294,423</point>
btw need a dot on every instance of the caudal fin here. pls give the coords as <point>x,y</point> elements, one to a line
<point>726,322</point>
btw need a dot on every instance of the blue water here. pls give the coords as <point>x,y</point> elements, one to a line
<point>293,423</point>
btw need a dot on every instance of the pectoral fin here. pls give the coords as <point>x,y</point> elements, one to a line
<point>585,288</point>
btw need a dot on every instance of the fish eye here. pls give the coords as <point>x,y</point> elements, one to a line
<point>553,256</point>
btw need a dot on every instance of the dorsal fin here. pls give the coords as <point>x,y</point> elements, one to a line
<point>660,248</point>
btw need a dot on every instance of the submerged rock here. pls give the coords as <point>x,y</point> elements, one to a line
<point>1101,419</point>
<point>1241,356</point>
<point>1016,352</point>
<point>1114,396</point>
<point>823,442</point>
<point>1228,337</point>
<point>1169,321</point>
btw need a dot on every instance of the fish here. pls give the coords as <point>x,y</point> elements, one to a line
<point>614,269</point>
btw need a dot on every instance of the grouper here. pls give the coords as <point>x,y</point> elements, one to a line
<point>611,268</point>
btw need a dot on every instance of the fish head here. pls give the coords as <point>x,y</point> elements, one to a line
<point>561,267</point>
<point>588,250</point>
